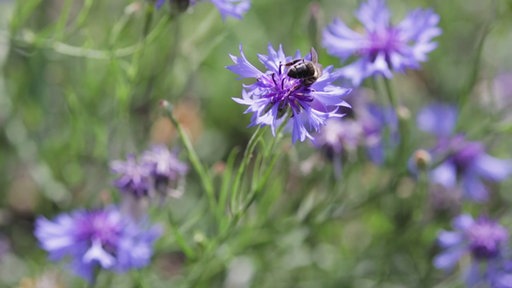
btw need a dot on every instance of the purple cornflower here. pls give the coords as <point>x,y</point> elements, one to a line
<point>232,8</point>
<point>134,176</point>
<point>276,96</point>
<point>502,277</point>
<point>159,3</point>
<point>339,136</point>
<point>461,160</point>
<point>482,238</point>
<point>368,125</point>
<point>165,168</point>
<point>158,170</point>
<point>227,8</point>
<point>338,139</point>
<point>380,127</point>
<point>97,239</point>
<point>382,47</point>
<point>496,95</point>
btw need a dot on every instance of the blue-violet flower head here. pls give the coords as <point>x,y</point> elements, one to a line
<point>483,239</point>
<point>227,8</point>
<point>232,8</point>
<point>97,239</point>
<point>382,47</point>
<point>135,177</point>
<point>166,169</point>
<point>276,95</point>
<point>462,160</point>
<point>339,136</point>
<point>380,127</point>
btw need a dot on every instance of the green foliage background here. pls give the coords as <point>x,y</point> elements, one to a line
<point>80,87</point>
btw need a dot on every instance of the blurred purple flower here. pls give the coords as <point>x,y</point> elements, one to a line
<point>232,8</point>
<point>97,239</point>
<point>379,122</point>
<point>158,170</point>
<point>276,95</point>
<point>159,3</point>
<point>166,169</point>
<point>462,160</point>
<point>227,8</point>
<point>339,136</point>
<point>496,95</point>
<point>368,125</point>
<point>482,238</point>
<point>382,47</point>
<point>338,139</point>
<point>502,277</point>
<point>5,247</point>
<point>134,176</point>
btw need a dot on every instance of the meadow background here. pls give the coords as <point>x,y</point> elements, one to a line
<point>76,92</point>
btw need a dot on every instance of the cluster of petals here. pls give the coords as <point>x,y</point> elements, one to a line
<point>157,170</point>
<point>366,125</point>
<point>275,96</point>
<point>382,47</point>
<point>461,161</point>
<point>485,241</point>
<point>227,8</point>
<point>97,239</point>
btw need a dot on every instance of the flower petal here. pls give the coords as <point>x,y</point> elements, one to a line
<point>492,168</point>
<point>243,67</point>
<point>437,119</point>
<point>444,174</point>
<point>373,14</point>
<point>449,258</point>
<point>232,8</point>
<point>474,188</point>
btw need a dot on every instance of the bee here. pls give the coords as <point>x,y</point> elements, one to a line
<point>307,71</point>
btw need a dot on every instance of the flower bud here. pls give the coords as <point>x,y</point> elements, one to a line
<point>422,159</point>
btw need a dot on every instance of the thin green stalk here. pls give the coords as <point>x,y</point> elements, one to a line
<point>180,239</point>
<point>260,183</point>
<point>29,38</point>
<point>82,16</point>
<point>169,59</point>
<point>23,10</point>
<point>62,22</point>
<point>204,176</point>
<point>401,151</point>
<point>95,273</point>
<point>243,166</point>
<point>148,18</point>
<point>118,27</point>
<point>475,68</point>
<point>224,189</point>
<point>390,93</point>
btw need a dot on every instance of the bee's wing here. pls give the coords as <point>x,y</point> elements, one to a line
<point>314,55</point>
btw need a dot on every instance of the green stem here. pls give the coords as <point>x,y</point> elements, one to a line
<point>224,189</point>
<point>148,18</point>
<point>60,27</point>
<point>400,153</point>
<point>391,95</point>
<point>180,239</point>
<point>260,183</point>
<point>205,178</point>
<point>95,273</point>
<point>243,166</point>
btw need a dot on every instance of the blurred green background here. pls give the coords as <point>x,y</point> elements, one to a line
<point>76,93</point>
